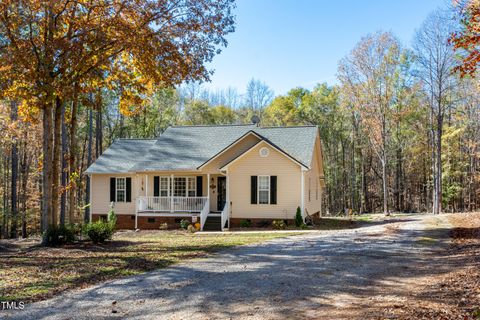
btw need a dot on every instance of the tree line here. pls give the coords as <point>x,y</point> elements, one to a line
<point>400,130</point>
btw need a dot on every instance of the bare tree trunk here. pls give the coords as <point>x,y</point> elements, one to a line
<point>24,171</point>
<point>98,127</point>
<point>86,217</point>
<point>14,176</point>
<point>439,162</point>
<point>63,196</point>
<point>72,157</point>
<point>56,160</point>
<point>47,169</point>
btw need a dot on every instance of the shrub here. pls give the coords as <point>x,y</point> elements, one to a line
<point>279,224</point>
<point>163,226</point>
<point>112,218</point>
<point>197,226</point>
<point>191,228</point>
<point>298,218</point>
<point>55,236</point>
<point>99,231</point>
<point>245,223</point>
<point>184,224</point>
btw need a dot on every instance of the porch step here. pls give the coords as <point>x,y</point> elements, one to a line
<point>213,224</point>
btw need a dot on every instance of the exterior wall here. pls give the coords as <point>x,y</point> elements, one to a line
<point>100,201</point>
<point>313,188</point>
<point>144,223</point>
<point>288,184</point>
<point>237,149</point>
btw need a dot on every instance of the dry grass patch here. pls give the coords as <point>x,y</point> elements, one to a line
<point>29,272</point>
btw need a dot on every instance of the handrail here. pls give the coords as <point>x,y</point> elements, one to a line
<point>224,216</point>
<point>204,214</point>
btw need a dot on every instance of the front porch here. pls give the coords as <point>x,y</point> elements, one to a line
<point>199,197</point>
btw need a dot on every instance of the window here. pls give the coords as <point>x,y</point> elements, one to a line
<point>264,152</point>
<point>184,186</point>
<point>179,187</point>
<point>192,186</point>
<point>121,189</point>
<point>164,187</point>
<point>263,189</point>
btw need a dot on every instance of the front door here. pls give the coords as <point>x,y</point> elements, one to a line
<point>221,192</point>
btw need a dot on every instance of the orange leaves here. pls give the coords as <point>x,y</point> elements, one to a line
<point>467,41</point>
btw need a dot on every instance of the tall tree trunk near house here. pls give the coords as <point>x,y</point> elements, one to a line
<point>14,176</point>
<point>56,160</point>
<point>24,171</point>
<point>98,127</point>
<point>72,157</point>
<point>47,178</point>
<point>86,217</point>
<point>5,196</point>
<point>63,197</point>
<point>439,162</point>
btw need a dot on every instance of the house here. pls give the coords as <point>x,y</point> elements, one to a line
<point>215,175</point>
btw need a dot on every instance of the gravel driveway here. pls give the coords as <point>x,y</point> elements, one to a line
<point>329,274</point>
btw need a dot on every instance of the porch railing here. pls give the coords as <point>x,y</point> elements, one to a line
<point>204,214</point>
<point>171,204</point>
<point>224,216</point>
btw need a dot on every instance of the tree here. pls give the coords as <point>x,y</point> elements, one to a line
<point>258,96</point>
<point>466,40</point>
<point>368,76</point>
<point>435,63</point>
<point>51,47</point>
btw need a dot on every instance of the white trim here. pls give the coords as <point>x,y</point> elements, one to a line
<point>302,202</point>
<point>230,146</point>
<point>146,185</point>
<point>91,187</point>
<point>175,215</point>
<point>271,145</point>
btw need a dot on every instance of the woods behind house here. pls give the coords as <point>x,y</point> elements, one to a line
<point>400,130</point>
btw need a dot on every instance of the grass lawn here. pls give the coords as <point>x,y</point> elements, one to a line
<point>29,272</point>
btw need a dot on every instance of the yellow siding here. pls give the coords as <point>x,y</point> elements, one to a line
<point>237,149</point>
<point>288,184</point>
<point>313,184</point>
<point>100,185</point>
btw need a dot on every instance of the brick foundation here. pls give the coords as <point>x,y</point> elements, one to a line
<point>144,223</point>
<point>235,222</point>
<point>123,221</point>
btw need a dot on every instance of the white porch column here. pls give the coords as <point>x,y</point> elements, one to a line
<point>208,186</point>
<point>90,197</point>
<point>146,185</point>
<point>171,193</point>
<point>227,178</point>
<point>302,188</point>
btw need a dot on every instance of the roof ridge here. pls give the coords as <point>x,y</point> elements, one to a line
<point>289,127</point>
<point>211,125</point>
<point>129,139</point>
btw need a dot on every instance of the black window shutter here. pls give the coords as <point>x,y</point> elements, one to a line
<point>199,186</point>
<point>113,190</point>
<point>273,189</point>
<point>253,189</point>
<point>128,182</point>
<point>156,186</point>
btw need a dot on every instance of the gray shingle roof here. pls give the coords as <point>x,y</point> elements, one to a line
<point>188,147</point>
<point>121,156</point>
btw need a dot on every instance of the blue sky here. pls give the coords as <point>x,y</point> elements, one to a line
<point>291,43</point>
